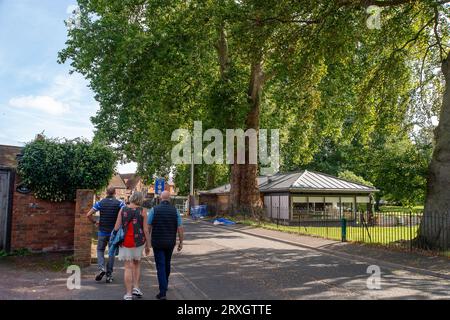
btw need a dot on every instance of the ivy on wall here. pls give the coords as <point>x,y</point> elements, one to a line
<point>54,169</point>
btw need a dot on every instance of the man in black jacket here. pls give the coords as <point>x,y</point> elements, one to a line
<point>164,223</point>
<point>109,208</point>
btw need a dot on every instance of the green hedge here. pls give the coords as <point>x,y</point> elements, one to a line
<point>54,169</point>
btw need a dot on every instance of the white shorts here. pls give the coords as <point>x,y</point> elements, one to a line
<point>129,254</point>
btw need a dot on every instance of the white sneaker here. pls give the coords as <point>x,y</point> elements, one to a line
<point>137,292</point>
<point>127,297</point>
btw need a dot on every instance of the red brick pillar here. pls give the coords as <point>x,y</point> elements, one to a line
<point>83,228</point>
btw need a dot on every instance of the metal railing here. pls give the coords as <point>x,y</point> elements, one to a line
<point>403,230</point>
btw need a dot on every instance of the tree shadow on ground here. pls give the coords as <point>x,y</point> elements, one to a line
<point>293,273</point>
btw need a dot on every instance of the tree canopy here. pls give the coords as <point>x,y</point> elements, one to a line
<point>311,68</point>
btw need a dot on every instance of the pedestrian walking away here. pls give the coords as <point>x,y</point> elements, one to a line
<point>164,223</point>
<point>109,209</point>
<point>131,219</point>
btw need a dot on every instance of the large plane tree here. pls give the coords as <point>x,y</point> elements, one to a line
<point>309,68</point>
<point>156,66</point>
<point>413,44</point>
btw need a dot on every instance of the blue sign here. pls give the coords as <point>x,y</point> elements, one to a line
<point>159,185</point>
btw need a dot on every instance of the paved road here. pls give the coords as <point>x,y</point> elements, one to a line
<point>240,263</point>
<point>222,263</point>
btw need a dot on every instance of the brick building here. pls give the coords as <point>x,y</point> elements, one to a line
<point>135,183</point>
<point>121,189</point>
<point>28,222</point>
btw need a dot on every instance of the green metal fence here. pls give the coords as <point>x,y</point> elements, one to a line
<point>390,229</point>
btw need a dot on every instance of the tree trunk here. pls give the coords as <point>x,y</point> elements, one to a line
<point>244,185</point>
<point>211,178</point>
<point>377,203</point>
<point>434,230</point>
<point>235,192</point>
<point>244,193</point>
<point>235,173</point>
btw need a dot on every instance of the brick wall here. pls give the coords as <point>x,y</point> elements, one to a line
<point>83,228</point>
<point>41,225</point>
<point>217,203</point>
<point>210,200</point>
<point>223,203</point>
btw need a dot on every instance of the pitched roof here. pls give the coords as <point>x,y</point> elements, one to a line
<point>130,179</point>
<point>8,155</point>
<point>117,182</point>
<point>301,181</point>
<point>126,176</point>
<point>312,181</point>
<point>226,187</point>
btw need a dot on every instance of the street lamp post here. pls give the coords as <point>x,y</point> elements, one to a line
<point>191,191</point>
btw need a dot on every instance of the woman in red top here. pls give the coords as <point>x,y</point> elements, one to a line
<point>133,219</point>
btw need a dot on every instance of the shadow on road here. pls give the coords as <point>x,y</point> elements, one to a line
<point>243,266</point>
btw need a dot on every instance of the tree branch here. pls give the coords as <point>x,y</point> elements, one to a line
<point>277,19</point>
<point>222,50</point>
<point>415,37</point>
<point>436,33</point>
<point>421,71</point>
<point>381,3</point>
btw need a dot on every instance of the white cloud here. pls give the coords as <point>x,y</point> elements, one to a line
<point>45,104</point>
<point>65,94</point>
<point>61,107</point>
<point>68,87</point>
<point>127,167</point>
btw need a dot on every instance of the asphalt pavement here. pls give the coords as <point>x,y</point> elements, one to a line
<point>238,262</point>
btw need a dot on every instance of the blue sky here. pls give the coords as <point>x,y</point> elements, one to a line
<point>36,93</point>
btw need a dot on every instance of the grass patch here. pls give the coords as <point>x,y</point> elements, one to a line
<point>374,234</point>
<point>15,253</point>
<point>390,236</point>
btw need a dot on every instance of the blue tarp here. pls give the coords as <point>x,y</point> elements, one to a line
<point>199,211</point>
<point>224,221</point>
